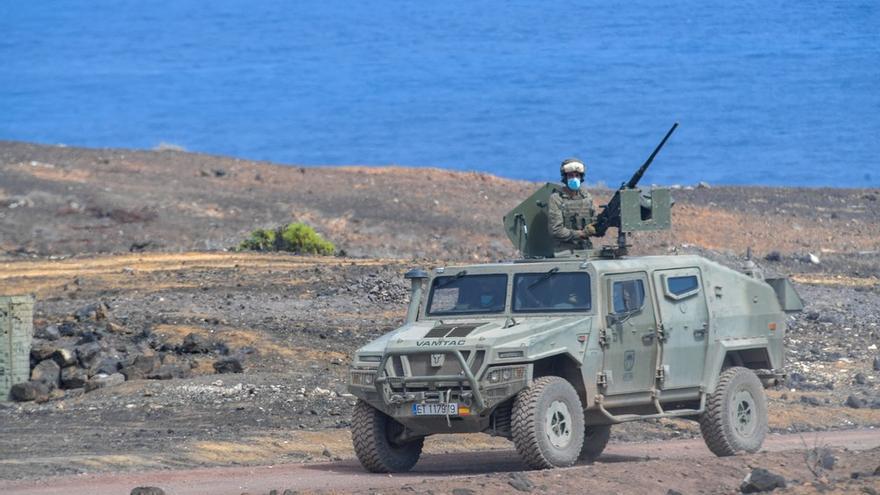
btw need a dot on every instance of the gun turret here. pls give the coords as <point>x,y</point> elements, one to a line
<point>630,211</point>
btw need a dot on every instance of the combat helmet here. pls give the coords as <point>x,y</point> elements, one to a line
<point>572,165</point>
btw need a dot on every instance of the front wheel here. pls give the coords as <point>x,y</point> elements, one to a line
<point>735,419</point>
<point>548,423</point>
<point>373,433</point>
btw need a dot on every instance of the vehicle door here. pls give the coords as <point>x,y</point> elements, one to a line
<point>630,358</point>
<point>685,323</point>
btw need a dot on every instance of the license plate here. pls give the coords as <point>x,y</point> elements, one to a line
<point>436,409</point>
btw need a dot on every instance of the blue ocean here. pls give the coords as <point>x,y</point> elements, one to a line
<point>773,93</point>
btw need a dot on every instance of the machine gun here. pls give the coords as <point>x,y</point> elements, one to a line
<point>630,211</point>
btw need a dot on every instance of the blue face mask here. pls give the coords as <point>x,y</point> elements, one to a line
<point>486,300</point>
<point>574,183</point>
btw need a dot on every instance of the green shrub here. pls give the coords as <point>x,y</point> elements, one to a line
<point>294,237</point>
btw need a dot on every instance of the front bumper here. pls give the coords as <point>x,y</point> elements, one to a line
<point>395,387</point>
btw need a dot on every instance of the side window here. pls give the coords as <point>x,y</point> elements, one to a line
<point>628,295</point>
<point>682,286</point>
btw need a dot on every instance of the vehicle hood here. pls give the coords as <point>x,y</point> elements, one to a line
<point>532,332</point>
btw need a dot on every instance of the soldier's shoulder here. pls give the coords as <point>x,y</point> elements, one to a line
<point>556,196</point>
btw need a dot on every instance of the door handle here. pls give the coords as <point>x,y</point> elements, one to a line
<point>699,333</point>
<point>648,338</point>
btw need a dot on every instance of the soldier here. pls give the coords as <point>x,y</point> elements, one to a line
<point>572,215</point>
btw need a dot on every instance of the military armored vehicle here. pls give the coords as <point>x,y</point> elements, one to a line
<point>550,351</point>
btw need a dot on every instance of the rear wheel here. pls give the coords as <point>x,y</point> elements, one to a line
<point>372,433</point>
<point>735,419</point>
<point>595,439</point>
<point>548,423</point>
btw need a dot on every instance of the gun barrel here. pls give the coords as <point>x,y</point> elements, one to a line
<point>634,180</point>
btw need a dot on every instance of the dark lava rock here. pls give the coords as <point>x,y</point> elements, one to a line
<point>48,372</point>
<point>73,377</point>
<point>96,312</point>
<point>810,400</point>
<point>773,256</point>
<point>462,491</point>
<point>88,354</point>
<point>140,367</point>
<point>67,329</point>
<point>832,318</point>
<point>761,480</point>
<point>28,391</point>
<point>102,380</point>
<point>49,332</point>
<point>42,350</point>
<point>195,344</point>
<point>228,365</point>
<point>673,492</point>
<point>167,372</point>
<point>64,357</point>
<point>106,366</point>
<point>520,482</point>
<point>147,490</point>
<point>87,337</point>
<point>877,363</point>
<point>854,402</point>
<point>860,379</point>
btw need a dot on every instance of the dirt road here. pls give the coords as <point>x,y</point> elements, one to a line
<point>628,464</point>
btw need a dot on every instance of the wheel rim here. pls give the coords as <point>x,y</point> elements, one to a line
<point>557,424</point>
<point>744,413</point>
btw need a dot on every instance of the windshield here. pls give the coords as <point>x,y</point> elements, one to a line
<point>551,291</point>
<point>467,294</point>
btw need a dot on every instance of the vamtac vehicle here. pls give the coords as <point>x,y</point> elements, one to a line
<point>550,351</point>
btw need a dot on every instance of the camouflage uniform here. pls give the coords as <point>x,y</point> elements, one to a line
<point>567,215</point>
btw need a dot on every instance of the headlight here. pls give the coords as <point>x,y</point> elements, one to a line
<point>369,358</point>
<point>506,374</point>
<point>362,378</point>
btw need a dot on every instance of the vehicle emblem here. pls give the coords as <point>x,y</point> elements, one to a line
<point>629,360</point>
<point>437,360</point>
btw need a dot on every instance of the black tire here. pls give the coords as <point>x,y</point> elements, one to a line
<point>735,419</point>
<point>371,433</point>
<point>595,439</point>
<point>548,424</point>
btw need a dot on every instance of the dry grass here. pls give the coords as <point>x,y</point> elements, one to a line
<point>133,271</point>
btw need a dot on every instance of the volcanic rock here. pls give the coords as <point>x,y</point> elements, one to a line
<point>49,332</point>
<point>88,354</point>
<point>147,490</point>
<point>195,344</point>
<point>102,380</point>
<point>106,366</point>
<point>140,367</point>
<point>73,377</point>
<point>228,365</point>
<point>64,357</point>
<point>854,402</point>
<point>48,372</point>
<point>167,372</point>
<point>761,480</point>
<point>96,312</point>
<point>28,391</point>
<point>42,350</point>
